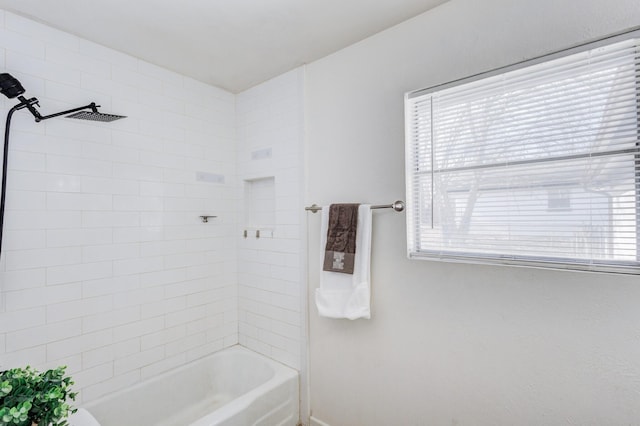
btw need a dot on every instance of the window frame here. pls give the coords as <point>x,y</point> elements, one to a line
<point>609,266</point>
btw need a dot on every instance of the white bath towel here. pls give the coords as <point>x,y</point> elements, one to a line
<point>347,295</point>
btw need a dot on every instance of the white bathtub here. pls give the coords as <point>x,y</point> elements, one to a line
<point>233,387</point>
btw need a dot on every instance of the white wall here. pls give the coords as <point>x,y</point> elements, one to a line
<point>106,267</point>
<point>452,343</point>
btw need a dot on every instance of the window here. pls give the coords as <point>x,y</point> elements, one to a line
<point>537,164</point>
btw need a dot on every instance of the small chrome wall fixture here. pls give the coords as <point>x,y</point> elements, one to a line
<point>205,218</point>
<point>258,232</point>
<point>245,234</point>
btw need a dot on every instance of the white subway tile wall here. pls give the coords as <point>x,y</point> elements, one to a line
<point>270,278</point>
<point>106,266</point>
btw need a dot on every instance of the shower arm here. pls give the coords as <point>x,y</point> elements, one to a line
<point>30,104</point>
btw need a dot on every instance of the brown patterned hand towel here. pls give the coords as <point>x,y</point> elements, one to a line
<point>340,251</point>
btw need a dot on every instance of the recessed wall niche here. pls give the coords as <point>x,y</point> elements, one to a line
<point>260,206</point>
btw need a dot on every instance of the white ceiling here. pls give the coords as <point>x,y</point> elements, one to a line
<point>232,44</point>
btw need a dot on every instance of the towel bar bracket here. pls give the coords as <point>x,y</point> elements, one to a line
<point>397,205</point>
<point>314,208</point>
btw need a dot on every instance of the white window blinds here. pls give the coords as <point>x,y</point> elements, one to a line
<point>537,166</point>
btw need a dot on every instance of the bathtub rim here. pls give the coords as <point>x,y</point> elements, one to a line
<point>282,373</point>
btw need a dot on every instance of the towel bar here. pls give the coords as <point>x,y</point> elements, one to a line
<point>396,205</point>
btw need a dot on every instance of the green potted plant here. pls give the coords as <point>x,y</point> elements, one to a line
<point>29,398</point>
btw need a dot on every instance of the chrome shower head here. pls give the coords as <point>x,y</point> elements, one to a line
<point>95,116</point>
